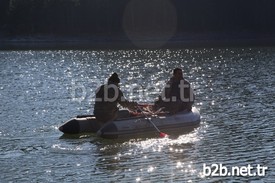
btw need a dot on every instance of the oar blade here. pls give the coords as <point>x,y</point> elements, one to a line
<point>163,135</point>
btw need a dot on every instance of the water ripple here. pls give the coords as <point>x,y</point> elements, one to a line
<point>39,90</point>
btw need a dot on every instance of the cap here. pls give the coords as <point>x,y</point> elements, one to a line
<point>114,78</point>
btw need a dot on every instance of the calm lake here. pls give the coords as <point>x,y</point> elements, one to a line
<point>234,87</point>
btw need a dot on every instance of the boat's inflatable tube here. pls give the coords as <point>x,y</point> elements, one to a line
<point>132,126</point>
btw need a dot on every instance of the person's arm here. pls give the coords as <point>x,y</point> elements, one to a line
<point>188,92</point>
<point>166,93</point>
<point>125,103</point>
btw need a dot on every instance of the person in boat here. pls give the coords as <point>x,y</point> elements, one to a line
<point>108,96</point>
<point>177,95</point>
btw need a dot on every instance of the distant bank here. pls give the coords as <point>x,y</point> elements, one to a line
<point>128,24</point>
<point>183,41</point>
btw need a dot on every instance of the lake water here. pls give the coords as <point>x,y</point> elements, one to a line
<point>39,90</point>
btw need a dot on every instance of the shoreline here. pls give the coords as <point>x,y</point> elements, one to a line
<point>124,43</point>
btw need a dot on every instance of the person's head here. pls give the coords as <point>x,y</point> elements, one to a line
<point>114,79</point>
<point>177,73</point>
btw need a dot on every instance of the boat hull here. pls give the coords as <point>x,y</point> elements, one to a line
<point>134,126</point>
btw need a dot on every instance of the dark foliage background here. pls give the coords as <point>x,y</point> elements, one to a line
<point>116,18</point>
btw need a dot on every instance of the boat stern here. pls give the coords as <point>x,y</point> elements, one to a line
<point>70,127</point>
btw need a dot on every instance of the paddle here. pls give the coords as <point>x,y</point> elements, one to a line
<point>161,134</point>
<point>145,105</point>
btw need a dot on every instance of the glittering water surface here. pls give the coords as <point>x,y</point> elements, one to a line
<point>39,90</point>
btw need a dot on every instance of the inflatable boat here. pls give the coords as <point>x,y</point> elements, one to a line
<point>137,125</point>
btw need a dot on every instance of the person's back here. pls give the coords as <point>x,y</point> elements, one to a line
<point>107,98</point>
<point>106,102</point>
<point>177,95</point>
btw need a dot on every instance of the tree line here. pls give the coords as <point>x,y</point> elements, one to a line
<point>116,17</point>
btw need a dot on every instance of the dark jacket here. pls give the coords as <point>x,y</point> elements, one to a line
<point>108,96</point>
<point>173,89</point>
<point>177,96</point>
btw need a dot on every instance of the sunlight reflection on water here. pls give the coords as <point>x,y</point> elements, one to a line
<point>234,93</point>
